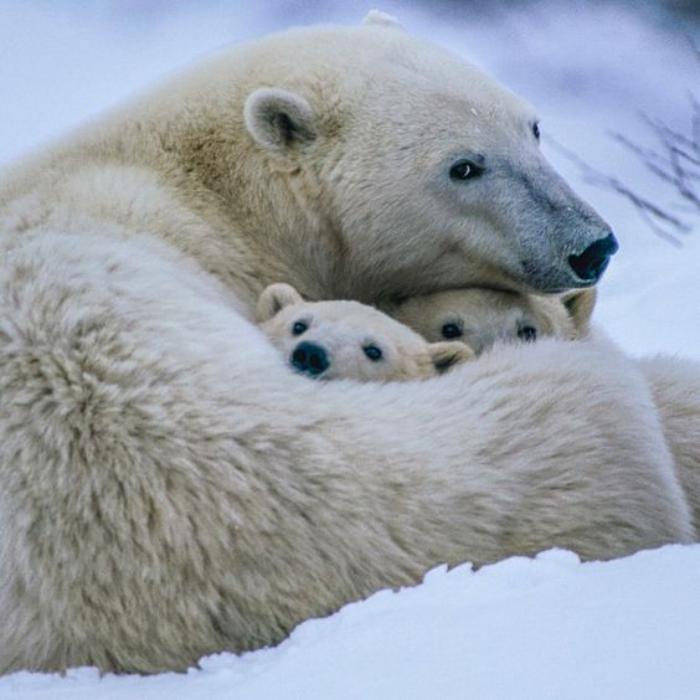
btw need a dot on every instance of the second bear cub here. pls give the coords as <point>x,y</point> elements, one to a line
<point>484,317</point>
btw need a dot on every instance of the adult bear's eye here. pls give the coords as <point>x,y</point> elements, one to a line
<point>528,334</point>
<point>373,352</point>
<point>465,170</point>
<point>536,130</point>
<point>451,330</point>
<point>299,327</point>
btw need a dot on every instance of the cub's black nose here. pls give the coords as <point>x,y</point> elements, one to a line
<point>591,263</point>
<point>310,358</point>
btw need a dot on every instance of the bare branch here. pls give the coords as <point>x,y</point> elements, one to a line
<point>674,160</point>
<point>651,160</point>
<point>686,156</point>
<point>661,221</point>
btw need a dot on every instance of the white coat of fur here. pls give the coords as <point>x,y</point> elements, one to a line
<point>171,489</point>
<point>486,317</point>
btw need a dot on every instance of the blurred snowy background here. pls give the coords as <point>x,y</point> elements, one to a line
<point>524,628</point>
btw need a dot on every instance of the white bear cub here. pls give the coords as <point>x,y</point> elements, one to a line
<point>483,317</point>
<point>349,340</point>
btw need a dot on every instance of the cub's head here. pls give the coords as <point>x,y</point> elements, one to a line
<point>482,317</point>
<point>348,340</point>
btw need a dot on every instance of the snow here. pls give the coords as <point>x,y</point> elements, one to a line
<point>548,627</point>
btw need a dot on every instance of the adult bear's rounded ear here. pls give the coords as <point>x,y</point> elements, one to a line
<point>579,305</point>
<point>448,354</point>
<point>278,119</point>
<point>377,17</point>
<point>275,298</point>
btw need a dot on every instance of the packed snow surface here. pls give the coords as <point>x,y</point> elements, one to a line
<point>549,627</point>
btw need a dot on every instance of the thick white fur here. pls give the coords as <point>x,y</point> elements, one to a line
<point>675,386</point>
<point>168,487</point>
<point>487,316</point>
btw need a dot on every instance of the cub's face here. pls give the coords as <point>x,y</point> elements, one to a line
<point>348,340</point>
<point>482,317</point>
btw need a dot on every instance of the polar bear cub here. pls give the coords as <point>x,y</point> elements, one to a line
<point>349,340</point>
<point>482,317</point>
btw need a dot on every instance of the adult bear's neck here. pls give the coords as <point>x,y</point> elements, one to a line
<point>273,211</point>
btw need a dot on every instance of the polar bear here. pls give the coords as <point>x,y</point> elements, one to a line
<point>482,317</point>
<point>168,488</point>
<point>364,189</point>
<point>349,340</point>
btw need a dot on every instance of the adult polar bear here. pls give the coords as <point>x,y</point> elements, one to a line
<point>168,487</point>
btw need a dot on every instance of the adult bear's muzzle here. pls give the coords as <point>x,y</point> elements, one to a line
<point>565,244</point>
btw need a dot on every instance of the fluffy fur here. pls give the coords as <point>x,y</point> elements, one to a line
<point>675,386</point>
<point>484,317</point>
<point>169,487</point>
<point>343,330</point>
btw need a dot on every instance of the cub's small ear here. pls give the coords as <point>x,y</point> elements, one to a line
<point>448,354</point>
<point>278,119</point>
<point>381,18</point>
<point>275,298</point>
<point>579,305</point>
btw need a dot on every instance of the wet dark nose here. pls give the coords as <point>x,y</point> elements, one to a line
<point>310,358</point>
<point>591,263</point>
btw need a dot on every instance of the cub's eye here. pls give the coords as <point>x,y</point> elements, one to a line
<point>451,330</point>
<point>465,170</point>
<point>373,352</point>
<point>536,130</point>
<point>528,334</point>
<point>299,327</point>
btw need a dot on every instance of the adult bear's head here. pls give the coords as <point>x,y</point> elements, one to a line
<point>415,171</point>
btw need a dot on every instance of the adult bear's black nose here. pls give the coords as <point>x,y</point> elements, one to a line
<point>591,263</point>
<point>310,358</point>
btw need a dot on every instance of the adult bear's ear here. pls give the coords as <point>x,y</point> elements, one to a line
<point>579,305</point>
<point>448,354</point>
<point>382,19</point>
<point>275,298</point>
<point>278,119</point>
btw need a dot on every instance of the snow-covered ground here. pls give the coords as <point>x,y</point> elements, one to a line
<point>522,629</point>
<point>548,627</point>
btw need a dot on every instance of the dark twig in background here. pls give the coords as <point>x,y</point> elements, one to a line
<point>662,221</point>
<point>675,160</point>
